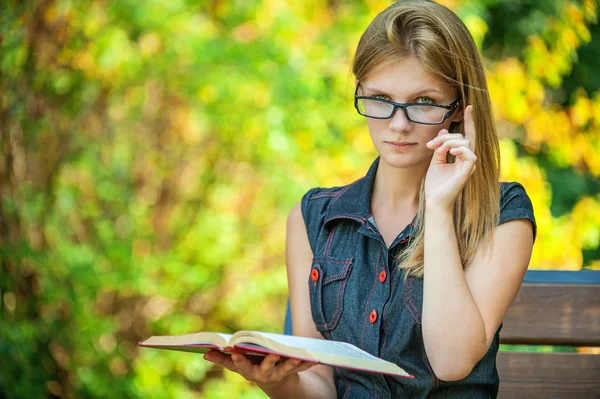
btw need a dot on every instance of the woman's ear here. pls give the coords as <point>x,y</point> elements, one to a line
<point>458,115</point>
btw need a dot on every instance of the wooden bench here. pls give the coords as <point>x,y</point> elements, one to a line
<point>552,308</point>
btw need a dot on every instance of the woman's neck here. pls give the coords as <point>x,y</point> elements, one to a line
<point>397,188</point>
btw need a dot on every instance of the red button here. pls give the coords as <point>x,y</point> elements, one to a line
<point>382,276</point>
<point>373,316</point>
<point>314,275</point>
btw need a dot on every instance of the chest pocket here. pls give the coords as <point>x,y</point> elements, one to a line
<point>327,283</point>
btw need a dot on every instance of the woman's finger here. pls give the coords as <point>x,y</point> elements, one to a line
<point>442,137</point>
<point>285,368</point>
<point>469,124</point>
<point>439,157</point>
<point>290,367</point>
<point>289,364</point>
<point>302,367</point>
<point>243,366</point>
<point>464,153</point>
<point>452,144</point>
<point>268,363</point>
<point>220,359</point>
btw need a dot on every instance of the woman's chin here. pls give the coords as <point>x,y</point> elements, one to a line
<point>405,161</point>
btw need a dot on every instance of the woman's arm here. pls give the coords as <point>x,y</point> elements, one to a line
<point>291,378</point>
<point>463,309</point>
<point>318,381</point>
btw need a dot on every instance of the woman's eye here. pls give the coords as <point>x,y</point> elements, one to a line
<point>425,100</point>
<point>381,97</point>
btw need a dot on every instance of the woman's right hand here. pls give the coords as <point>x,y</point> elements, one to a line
<point>273,370</point>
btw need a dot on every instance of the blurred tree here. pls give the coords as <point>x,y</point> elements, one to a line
<point>151,152</point>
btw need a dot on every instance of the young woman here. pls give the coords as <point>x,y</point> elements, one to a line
<point>417,262</point>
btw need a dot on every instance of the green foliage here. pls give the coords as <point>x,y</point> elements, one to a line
<point>152,150</point>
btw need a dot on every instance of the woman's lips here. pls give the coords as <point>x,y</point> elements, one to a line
<point>400,146</point>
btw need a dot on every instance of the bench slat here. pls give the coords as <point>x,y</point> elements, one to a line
<point>548,375</point>
<point>562,276</point>
<point>554,314</point>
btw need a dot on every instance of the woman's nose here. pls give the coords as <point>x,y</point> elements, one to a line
<point>399,121</point>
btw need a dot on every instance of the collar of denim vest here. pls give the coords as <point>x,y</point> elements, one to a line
<point>354,201</point>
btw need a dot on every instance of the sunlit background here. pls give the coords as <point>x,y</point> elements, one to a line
<point>151,151</point>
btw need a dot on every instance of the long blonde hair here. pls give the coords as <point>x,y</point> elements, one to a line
<point>443,45</point>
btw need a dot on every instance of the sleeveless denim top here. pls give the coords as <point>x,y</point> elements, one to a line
<point>357,295</point>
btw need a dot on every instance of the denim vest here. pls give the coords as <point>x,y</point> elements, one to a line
<point>357,295</point>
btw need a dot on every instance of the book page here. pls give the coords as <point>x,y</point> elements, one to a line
<point>312,345</point>
<point>214,339</point>
<point>334,353</point>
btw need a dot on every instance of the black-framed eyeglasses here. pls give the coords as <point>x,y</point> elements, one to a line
<point>425,114</point>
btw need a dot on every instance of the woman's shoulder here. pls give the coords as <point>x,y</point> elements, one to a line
<point>320,204</point>
<point>325,192</point>
<point>515,203</point>
<point>326,195</point>
<point>513,194</point>
<point>318,199</point>
<point>320,194</point>
<point>315,207</point>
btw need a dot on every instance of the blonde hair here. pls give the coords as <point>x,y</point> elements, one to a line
<point>443,45</point>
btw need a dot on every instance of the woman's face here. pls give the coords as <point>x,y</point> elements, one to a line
<point>400,142</point>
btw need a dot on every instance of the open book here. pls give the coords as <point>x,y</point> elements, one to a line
<point>252,343</point>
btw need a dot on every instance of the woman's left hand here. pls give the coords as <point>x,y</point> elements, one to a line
<point>444,181</point>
